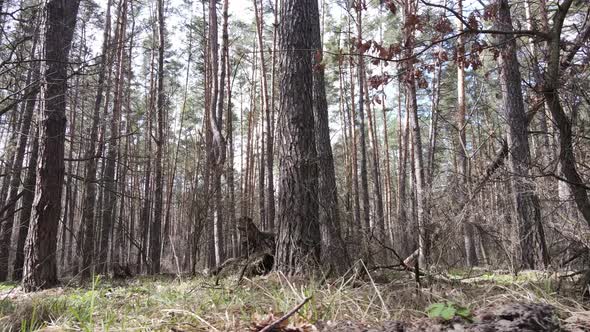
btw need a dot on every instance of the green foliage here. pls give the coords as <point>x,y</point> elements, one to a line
<point>448,310</point>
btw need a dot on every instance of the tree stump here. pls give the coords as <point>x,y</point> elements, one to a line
<point>258,249</point>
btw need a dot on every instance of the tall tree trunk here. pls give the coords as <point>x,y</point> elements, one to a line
<point>270,186</point>
<point>299,231</point>
<point>40,270</point>
<point>420,187</point>
<point>155,234</point>
<point>230,162</point>
<point>378,229</point>
<point>109,179</point>
<point>354,135</point>
<point>265,112</point>
<point>366,222</point>
<point>217,151</point>
<point>526,203</point>
<point>220,238</point>
<point>334,251</point>
<point>146,215</point>
<point>403,142</point>
<point>461,146</point>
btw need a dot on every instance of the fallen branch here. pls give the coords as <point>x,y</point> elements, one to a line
<point>243,271</point>
<point>286,316</point>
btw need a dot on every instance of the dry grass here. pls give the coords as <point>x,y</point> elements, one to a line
<point>196,304</point>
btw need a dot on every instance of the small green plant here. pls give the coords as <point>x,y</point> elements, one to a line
<point>448,310</point>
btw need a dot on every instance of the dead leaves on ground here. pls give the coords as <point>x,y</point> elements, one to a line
<point>293,324</point>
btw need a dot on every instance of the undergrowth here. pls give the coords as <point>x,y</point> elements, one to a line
<point>197,304</point>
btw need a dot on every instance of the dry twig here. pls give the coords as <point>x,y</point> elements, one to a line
<point>286,316</point>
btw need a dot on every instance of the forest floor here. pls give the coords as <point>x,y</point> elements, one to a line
<point>168,303</point>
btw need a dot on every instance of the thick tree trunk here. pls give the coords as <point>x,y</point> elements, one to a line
<point>40,270</point>
<point>299,234</point>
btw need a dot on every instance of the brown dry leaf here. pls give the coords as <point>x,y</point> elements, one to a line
<point>261,321</point>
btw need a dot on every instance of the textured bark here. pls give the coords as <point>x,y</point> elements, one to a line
<point>40,270</point>
<point>526,203</point>
<point>299,233</point>
<point>334,251</point>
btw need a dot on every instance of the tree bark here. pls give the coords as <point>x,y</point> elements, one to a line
<point>366,222</point>
<point>299,231</point>
<point>155,234</point>
<point>334,251</point>
<point>526,203</point>
<point>40,270</point>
